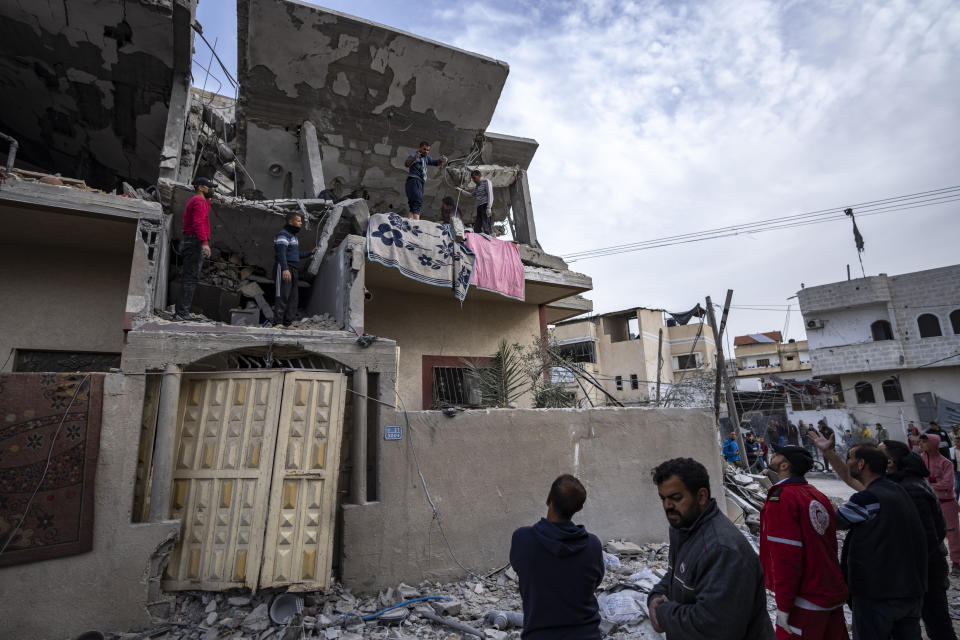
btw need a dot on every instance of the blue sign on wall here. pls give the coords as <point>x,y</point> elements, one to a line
<point>393,433</point>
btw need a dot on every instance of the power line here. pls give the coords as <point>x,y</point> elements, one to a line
<point>873,207</point>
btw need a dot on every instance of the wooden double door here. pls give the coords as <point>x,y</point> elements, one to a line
<point>255,475</point>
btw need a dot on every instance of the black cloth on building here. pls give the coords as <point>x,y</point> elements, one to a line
<point>714,584</point>
<point>559,567</point>
<point>191,253</point>
<point>684,317</point>
<point>287,298</point>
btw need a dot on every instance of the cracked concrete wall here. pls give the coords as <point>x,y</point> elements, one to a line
<point>489,472</point>
<point>372,91</point>
<point>87,83</point>
<point>108,587</point>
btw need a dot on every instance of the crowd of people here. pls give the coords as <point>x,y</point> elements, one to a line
<point>892,572</point>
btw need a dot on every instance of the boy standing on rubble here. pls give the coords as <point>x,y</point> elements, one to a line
<point>483,193</point>
<point>417,164</point>
<point>194,244</point>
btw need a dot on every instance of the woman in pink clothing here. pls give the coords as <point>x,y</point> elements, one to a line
<point>941,479</point>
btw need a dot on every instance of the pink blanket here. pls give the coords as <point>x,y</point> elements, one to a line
<point>497,267</point>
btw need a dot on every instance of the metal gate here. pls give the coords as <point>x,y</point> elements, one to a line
<point>254,481</point>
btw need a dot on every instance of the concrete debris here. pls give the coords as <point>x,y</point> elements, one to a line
<point>320,322</point>
<point>621,548</point>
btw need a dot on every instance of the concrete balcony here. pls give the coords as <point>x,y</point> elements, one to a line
<point>852,358</point>
<point>844,295</point>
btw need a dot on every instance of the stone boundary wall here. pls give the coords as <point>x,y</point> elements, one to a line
<point>489,472</point>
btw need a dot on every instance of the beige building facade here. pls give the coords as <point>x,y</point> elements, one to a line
<point>627,352</point>
<point>762,355</point>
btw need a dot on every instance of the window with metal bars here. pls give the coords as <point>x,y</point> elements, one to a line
<point>455,387</point>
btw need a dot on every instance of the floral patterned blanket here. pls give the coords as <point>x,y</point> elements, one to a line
<point>49,444</point>
<point>422,250</point>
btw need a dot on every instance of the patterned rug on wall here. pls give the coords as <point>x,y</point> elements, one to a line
<point>55,417</point>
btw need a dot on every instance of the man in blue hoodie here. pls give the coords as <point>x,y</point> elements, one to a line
<point>559,566</point>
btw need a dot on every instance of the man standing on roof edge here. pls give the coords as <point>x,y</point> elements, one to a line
<point>194,244</point>
<point>417,164</point>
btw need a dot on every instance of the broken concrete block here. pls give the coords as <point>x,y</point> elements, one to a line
<point>511,574</point>
<point>211,606</point>
<point>478,588</point>
<point>447,607</point>
<point>623,548</point>
<point>257,620</point>
<point>406,592</point>
<point>494,634</point>
<point>238,601</point>
<point>211,618</point>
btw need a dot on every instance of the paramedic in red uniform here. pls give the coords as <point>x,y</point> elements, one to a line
<point>798,550</point>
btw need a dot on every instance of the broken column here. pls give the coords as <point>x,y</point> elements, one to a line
<point>523,210</point>
<point>358,450</point>
<point>311,160</point>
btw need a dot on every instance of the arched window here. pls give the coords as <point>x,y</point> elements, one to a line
<point>864,392</point>
<point>891,390</point>
<point>929,326</point>
<point>881,330</point>
<point>955,320</point>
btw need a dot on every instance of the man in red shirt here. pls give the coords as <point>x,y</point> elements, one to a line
<point>195,243</point>
<point>798,550</point>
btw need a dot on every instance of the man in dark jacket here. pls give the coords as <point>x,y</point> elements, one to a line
<point>559,566</point>
<point>907,470</point>
<point>884,556</point>
<point>713,588</point>
<point>287,255</point>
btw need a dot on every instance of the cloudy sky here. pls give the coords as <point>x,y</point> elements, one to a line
<point>661,118</point>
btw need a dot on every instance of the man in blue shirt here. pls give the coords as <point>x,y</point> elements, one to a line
<point>731,452</point>
<point>287,255</point>
<point>417,164</point>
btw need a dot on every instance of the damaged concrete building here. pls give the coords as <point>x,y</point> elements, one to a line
<point>141,456</point>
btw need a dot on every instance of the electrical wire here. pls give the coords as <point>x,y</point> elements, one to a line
<point>43,476</point>
<point>874,207</point>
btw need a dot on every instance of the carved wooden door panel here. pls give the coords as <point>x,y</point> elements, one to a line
<point>226,436</point>
<point>300,521</point>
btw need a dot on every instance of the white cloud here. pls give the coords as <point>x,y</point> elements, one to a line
<point>658,118</point>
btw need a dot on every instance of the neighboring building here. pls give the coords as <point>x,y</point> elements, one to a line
<point>623,351</point>
<point>892,343</point>
<point>762,355</point>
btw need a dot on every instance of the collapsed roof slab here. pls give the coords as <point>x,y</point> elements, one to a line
<point>87,83</point>
<point>372,91</point>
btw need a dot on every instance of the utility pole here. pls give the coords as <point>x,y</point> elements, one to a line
<point>721,363</point>
<point>659,362</point>
<point>722,374</point>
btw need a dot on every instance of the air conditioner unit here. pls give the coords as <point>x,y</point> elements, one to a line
<point>814,324</point>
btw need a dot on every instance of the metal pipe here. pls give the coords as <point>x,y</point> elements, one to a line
<point>459,626</point>
<point>12,151</point>
<point>165,444</point>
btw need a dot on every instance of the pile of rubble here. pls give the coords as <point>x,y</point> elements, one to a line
<point>485,608</point>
